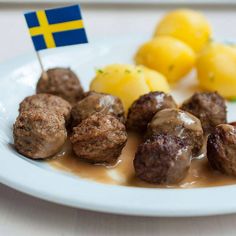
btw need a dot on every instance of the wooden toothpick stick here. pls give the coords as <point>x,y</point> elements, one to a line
<point>44,73</point>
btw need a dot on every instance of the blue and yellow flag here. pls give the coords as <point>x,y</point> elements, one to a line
<point>56,27</point>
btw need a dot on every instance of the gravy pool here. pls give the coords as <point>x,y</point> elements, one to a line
<point>122,173</point>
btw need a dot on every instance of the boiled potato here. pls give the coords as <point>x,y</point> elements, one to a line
<point>216,69</point>
<point>189,26</point>
<point>167,55</point>
<point>128,82</point>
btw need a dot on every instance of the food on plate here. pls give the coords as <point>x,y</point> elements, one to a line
<point>61,82</point>
<point>178,123</point>
<point>221,149</point>
<point>168,140</point>
<point>46,101</point>
<point>216,69</point>
<point>39,133</point>
<point>128,82</point>
<point>187,25</point>
<point>97,102</point>
<point>145,107</point>
<point>163,159</point>
<point>99,138</point>
<point>167,55</point>
<point>233,123</point>
<point>209,108</point>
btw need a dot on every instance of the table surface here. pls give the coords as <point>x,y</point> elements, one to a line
<point>24,215</point>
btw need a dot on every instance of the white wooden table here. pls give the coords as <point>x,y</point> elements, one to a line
<point>22,215</point>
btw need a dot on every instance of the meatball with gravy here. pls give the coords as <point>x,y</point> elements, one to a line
<point>39,134</point>
<point>48,102</point>
<point>99,138</point>
<point>233,123</point>
<point>210,108</point>
<point>178,123</point>
<point>97,102</point>
<point>62,82</point>
<point>221,149</point>
<point>163,159</point>
<point>143,109</point>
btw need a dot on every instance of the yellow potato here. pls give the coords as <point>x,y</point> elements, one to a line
<point>216,69</point>
<point>128,82</point>
<point>189,26</point>
<point>167,55</point>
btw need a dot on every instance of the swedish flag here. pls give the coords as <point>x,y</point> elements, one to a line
<point>56,27</point>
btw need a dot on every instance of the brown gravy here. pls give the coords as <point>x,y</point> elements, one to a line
<point>200,173</point>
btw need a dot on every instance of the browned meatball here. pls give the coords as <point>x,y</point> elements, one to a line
<point>144,108</point>
<point>163,159</point>
<point>97,102</point>
<point>178,123</point>
<point>62,82</point>
<point>233,123</point>
<point>221,149</point>
<point>48,102</point>
<point>99,138</point>
<point>39,133</point>
<point>209,107</point>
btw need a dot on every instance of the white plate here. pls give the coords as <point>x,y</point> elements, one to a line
<point>18,78</point>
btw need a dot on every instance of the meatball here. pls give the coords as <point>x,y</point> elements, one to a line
<point>97,102</point>
<point>39,134</point>
<point>233,123</point>
<point>48,102</point>
<point>143,109</point>
<point>99,138</point>
<point>178,123</point>
<point>62,82</point>
<point>221,149</point>
<point>209,107</point>
<point>163,159</point>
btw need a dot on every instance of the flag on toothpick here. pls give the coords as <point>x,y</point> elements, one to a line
<point>56,27</point>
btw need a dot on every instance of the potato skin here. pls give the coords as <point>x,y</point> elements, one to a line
<point>216,69</point>
<point>186,25</point>
<point>167,55</point>
<point>128,82</point>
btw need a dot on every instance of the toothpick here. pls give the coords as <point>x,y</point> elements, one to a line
<point>44,73</point>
